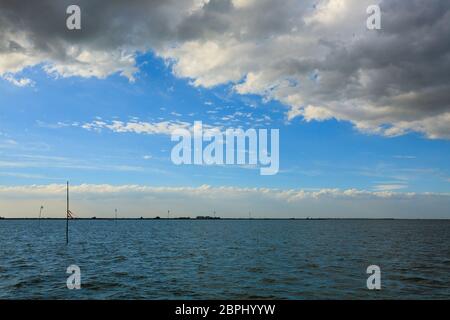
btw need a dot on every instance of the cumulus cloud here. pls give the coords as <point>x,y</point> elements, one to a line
<point>140,127</point>
<point>316,57</point>
<point>390,187</point>
<point>204,191</point>
<point>20,82</point>
<point>143,127</point>
<point>135,200</point>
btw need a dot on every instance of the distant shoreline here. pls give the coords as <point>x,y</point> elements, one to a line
<point>226,219</point>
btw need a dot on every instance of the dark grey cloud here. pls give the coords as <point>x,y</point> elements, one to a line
<point>317,57</point>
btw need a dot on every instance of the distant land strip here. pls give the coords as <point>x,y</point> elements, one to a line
<point>221,219</point>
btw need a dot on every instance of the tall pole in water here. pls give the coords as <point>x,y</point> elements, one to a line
<point>40,214</point>
<point>67,215</point>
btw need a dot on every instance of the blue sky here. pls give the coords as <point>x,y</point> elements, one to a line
<point>39,145</point>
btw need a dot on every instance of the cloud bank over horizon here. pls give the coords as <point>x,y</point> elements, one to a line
<point>316,58</point>
<point>100,200</point>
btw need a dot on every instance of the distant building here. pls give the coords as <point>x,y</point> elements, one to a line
<point>207,218</point>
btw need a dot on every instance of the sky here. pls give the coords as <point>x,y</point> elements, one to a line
<point>363,115</point>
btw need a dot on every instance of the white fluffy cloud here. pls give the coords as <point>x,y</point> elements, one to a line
<point>140,127</point>
<point>316,57</point>
<point>20,82</point>
<point>143,127</point>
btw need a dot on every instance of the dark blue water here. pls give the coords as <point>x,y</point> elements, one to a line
<point>173,259</point>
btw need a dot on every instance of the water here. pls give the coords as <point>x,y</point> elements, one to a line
<point>226,259</point>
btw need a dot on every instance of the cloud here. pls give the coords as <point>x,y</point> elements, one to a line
<point>135,126</point>
<point>34,161</point>
<point>207,191</point>
<point>26,176</point>
<point>19,82</point>
<point>110,38</point>
<point>316,57</point>
<point>8,143</point>
<point>228,201</point>
<point>143,127</point>
<point>389,187</point>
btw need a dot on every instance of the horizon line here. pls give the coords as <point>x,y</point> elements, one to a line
<point>218,218</point>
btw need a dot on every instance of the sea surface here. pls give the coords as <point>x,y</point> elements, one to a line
<point>225,259</point>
